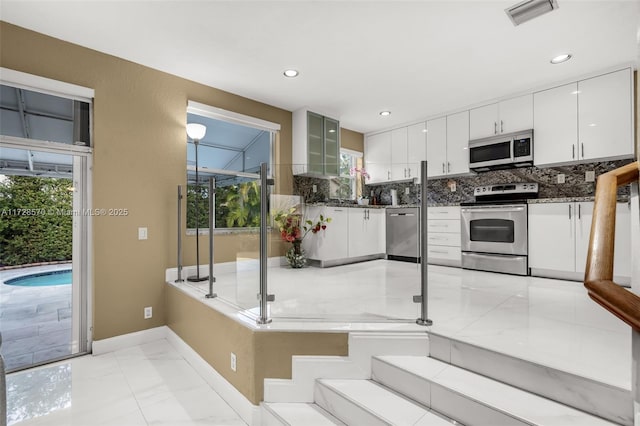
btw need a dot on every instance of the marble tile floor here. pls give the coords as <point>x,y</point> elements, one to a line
<point>35,322</point>
<point>551,322</point>
<point>142,385</point>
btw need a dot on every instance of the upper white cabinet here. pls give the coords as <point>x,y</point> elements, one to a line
<point>316,144</point>
<point>377,157</point>
<point>416,149</point>
<point>507,116</point>
<point>447,145</point>
<point>584,121</point>
<point>399,140</point>
<point>437,147</point>
<point>395,155</point>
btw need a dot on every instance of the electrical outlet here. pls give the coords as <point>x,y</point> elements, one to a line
<point>406,190</point>
<point>590,176</point>
<point>148,312</point>
<point>142,233</point>
<point>561,178</point>
<point>233,362</point>
<point>452,186</point>
<point>314,188</point>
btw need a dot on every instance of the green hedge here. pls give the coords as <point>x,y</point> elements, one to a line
<point>36,224</point>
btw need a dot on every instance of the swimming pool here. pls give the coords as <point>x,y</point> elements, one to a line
<point>42,279</point>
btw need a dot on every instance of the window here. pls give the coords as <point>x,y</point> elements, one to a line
<point>345,186</point>
<point>231,152</point>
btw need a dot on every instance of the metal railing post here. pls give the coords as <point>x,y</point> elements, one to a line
<point>212,216</point>
<point>3,390</point>
<point>264,217</point>
<point>179,280</point>
<point>423,299</point>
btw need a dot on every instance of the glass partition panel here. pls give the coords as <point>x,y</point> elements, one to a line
<point>236,221</point>
<point>328,252</point>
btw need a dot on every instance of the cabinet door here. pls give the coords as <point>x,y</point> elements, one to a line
<point>604,108</point>
<point>376,228</point>
<point>359,239</point>
<point>416,149</point>
<point>483,121</point>
<point>399,154</point>
<point>331,243</point>
<point>552,236</point>
<point>584,215</point>
<point>516,114</point>
<point>437,147</point>
<point>315,141</point>
<point>377,152</point>
<point>331,147</point>
<point>555,125</point>
<point>458,143</point>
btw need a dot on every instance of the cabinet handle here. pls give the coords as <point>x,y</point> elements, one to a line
<point>582,148</point>
<point>501,126</point>
<point>569,211</point>
<point>448,167</point>
<point>438,251</point>
<point>338,210</point>
<point>388,175</point>
<point>573,151</point>
<point>443,168</point>
<point>495,128</point>
<point>580,211</point>
<point>409,172</point>
<point>405,172</point>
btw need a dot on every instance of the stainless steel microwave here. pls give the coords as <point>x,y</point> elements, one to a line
<point>501,152</point>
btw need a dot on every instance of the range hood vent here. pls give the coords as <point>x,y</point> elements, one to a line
<point>529,9</point>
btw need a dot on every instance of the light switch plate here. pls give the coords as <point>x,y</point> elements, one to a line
<point>590,176</point>
<point>148,312</point>
<point>314,188</point>
<point>561,178</point>
<point>142,233</point>
<point>234,360</point>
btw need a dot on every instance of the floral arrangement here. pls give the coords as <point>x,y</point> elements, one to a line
<point>364,175</point>
<point>293,229</point>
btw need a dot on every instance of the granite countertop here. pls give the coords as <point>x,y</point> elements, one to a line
<point>622,199</point>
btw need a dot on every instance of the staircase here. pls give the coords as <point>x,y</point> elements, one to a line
<point>420,379</point>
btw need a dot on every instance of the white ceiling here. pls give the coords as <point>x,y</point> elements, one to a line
<point>356,58</point>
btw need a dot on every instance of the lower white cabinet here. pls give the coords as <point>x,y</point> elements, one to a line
<point>443,235</point>
<point>559,240</point>
<point>352,234</point>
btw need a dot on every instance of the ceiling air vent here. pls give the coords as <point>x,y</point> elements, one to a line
<point>529,9</point>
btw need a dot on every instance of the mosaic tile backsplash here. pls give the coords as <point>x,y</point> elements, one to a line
<point>439,192</point>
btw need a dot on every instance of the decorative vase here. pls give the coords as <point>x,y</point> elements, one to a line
<point>295,256</point>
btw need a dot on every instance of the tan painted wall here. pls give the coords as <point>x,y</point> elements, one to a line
<point>260,355</point>
<point>139,159</point>
<point>351,140</point>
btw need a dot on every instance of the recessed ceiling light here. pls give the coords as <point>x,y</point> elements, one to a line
<point>561,58</point>
<point>332,130</point>
<point>575,92</point>
<point>385,113</point>
<point>424,130</point>
<point>291,73</point>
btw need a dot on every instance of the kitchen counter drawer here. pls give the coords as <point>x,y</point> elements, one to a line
<point>443,239</point>
<point>449,212</point>
<point>447,225</point>
<point>444,255</point>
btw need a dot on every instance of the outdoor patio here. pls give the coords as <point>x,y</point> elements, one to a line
<point>35,322</point>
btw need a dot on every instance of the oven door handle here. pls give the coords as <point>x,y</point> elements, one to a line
<point>492,209</point>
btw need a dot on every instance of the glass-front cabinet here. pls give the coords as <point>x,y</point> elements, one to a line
<point>316,144</point>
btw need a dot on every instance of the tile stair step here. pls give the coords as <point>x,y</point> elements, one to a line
<point>363,402</point>
<point>471,398</point>
<point>296,413</point>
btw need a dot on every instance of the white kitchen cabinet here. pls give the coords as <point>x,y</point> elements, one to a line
<point>366,232</point>
<point>416,149</point>
<point>510,115</point>
<point>584,121</point>
<point>443,235</point>
<point>399,140</point>
<point>353,233</point>
<point>555,127</point>
<point>437,147</point>
<point>331,243</point>
<point>559,239</point>
<point>448,145</point>
<point>458,143</point>
<point>316,144</point>
<point>377,156</point>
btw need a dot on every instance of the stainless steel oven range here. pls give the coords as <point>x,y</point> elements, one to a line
<point>494,228</point>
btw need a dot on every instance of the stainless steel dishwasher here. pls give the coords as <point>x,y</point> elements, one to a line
<point>403,233</point>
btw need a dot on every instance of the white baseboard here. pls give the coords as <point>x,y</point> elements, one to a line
<point>99,347</point>
<point>246,410</point>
